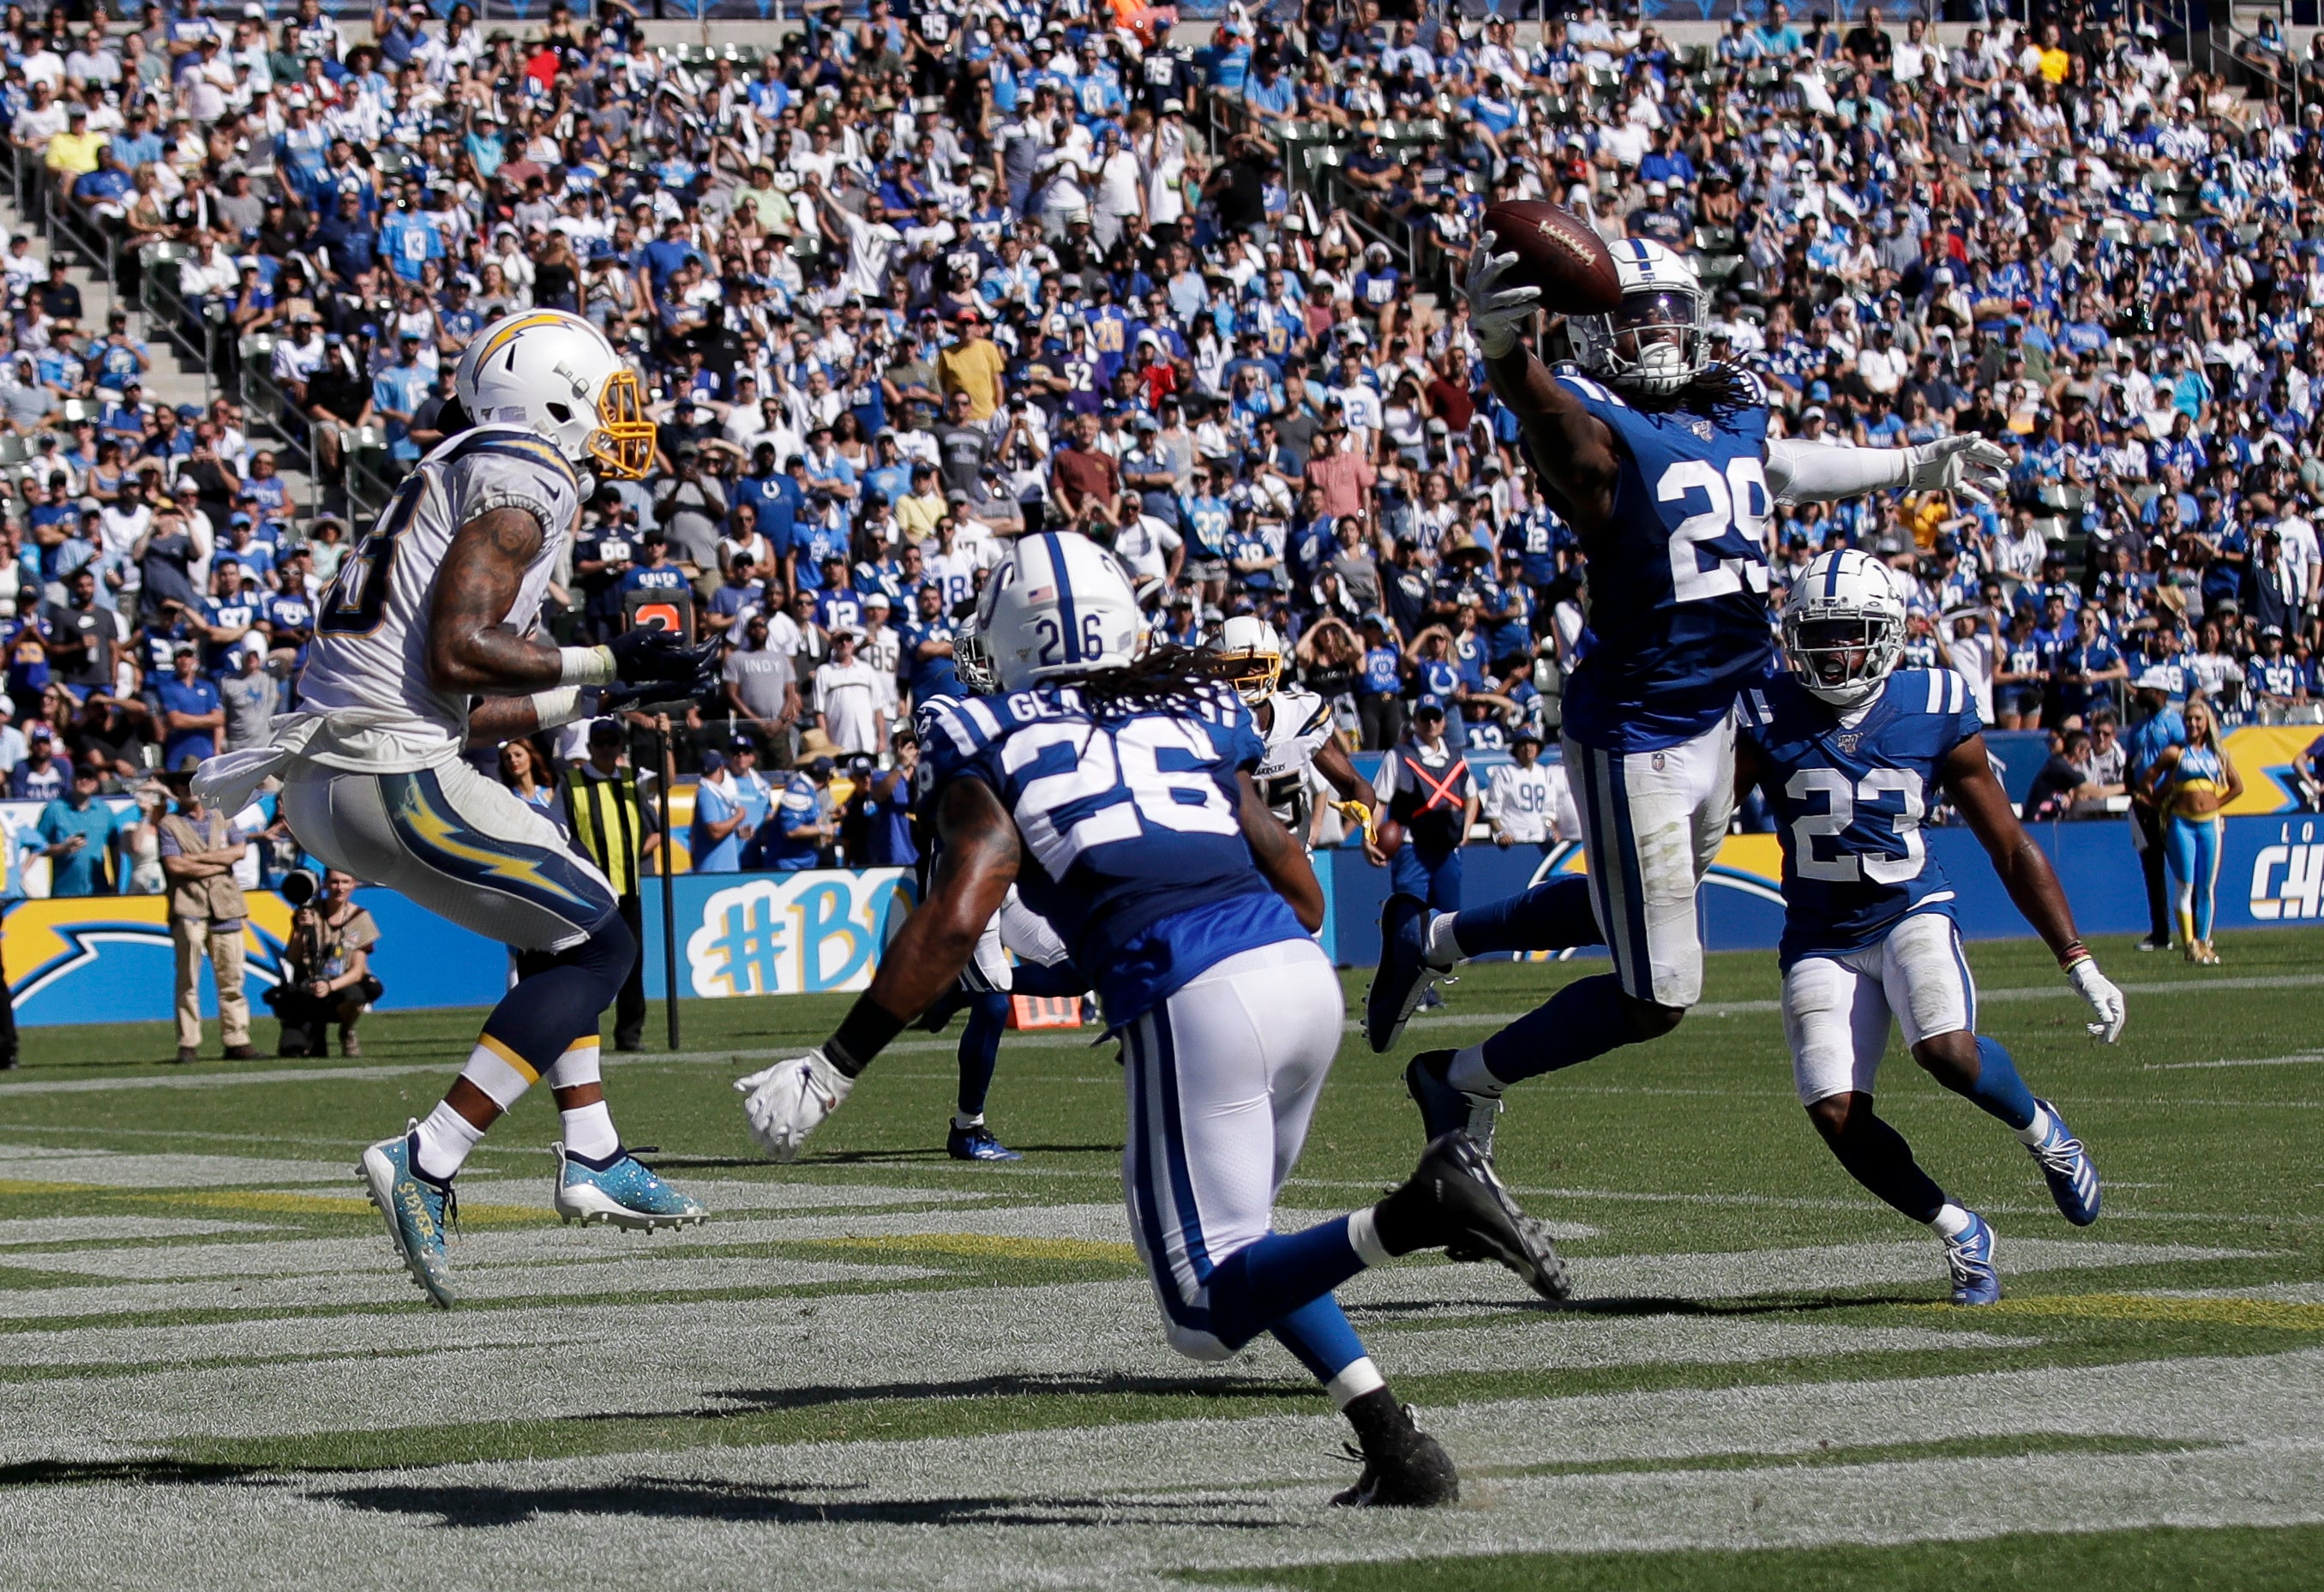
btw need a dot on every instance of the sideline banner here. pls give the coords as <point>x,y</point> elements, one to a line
<point>108,958</point>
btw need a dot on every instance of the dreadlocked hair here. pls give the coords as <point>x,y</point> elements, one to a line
<point>1719,390</point>
<point>1170,670</point>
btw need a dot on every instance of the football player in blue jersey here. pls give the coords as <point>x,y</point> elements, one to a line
<point>1113,784</point>
<point>1659,460</point>
<point>1850,750</point>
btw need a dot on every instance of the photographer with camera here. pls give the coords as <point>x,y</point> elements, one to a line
<point>327,964</point>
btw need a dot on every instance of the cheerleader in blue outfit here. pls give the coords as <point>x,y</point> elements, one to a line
<point>2191,783</point>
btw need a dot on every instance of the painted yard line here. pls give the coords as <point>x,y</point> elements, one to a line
<point>1112,1507</point>
<point>2304,1058</point>
<point>100,1230</point>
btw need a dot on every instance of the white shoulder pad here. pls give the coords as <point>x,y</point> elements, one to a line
<point>511,470</point>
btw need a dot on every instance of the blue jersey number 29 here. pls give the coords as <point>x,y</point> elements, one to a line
<point>1735,501</point>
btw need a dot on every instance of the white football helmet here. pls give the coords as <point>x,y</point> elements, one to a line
<point>555,374</point>
<point>972,659</point>
<point>1256,652</point>
<point>1843,625</point>
<point>1058,606</point>
<point>1655,340</point>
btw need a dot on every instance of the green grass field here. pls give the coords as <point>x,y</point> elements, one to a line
<point>215,1375</point>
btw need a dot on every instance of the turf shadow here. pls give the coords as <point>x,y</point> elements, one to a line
<point>749,1401</point>
<point>662,1498</point>
<point>1649,1305</point>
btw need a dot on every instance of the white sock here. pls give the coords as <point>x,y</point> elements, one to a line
<point>1443,950</point>
<point>589,1131</point>
<point>1951,1221</point>
<point>2035,1131</point>
<point>964,1123</point>
<point>445,1138</point>
<point>1467,1073</point>
<point>1364,1236</point>
<point>1356,1378</point>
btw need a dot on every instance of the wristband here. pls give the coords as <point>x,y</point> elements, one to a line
<point>584,665</point>
<point>2072,954</point>
<point>862,1035</point>
<point>553,710</point>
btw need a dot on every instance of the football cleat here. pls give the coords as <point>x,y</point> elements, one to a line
<point>977,1143</point>
<point>1968,1256</point>
<point>624,1194</point>
<point>417,1209</point>
<point>1405,1468</point>
<point>1456,1198</point>
<point>2066,1166</point>
<point>1446,1109</point>
<point>1403,974</point>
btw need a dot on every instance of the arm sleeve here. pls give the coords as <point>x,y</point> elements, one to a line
<point>1808,472</point>
<point>479,483</point>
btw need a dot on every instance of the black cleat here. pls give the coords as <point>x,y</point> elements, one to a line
<point>1456,1203</point>
<point>1403,1468</point>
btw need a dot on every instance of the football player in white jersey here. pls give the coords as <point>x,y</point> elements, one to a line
<point>423,645</point>
<point>1114,785</point>
<point>1296,726</point>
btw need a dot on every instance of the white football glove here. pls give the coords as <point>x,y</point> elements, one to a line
<point>1495,312</point>
<point>1970,465</point>
<point>2106,1000</point>
<point>786,1102</point>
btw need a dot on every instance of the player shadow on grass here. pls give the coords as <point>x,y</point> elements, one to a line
<point>1643,1304</point>
<point>795,1504</point>
<point>757,1401</point>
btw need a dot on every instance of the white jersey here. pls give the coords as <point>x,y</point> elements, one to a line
<point>370,651</point>
<point>1301,725</point>
<point>1531,805</point>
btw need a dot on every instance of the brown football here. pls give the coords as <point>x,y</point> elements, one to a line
<point>1558,254</point>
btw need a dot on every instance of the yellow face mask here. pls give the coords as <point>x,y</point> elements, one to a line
<point>624,442</point>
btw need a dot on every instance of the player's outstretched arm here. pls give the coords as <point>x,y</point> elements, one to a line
<point>1810,473</point>
<point>782,1104</point>
<point>1280,858</point>
<point>1572,450</point>
<point>2033,885</point>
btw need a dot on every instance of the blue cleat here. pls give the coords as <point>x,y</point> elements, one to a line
<point>417,1210</point>
<point>1403,974</point>
<point>2066,1166</point>
<point>1969,1258</point>
<point>623,1194</point>
<point>977,1143</point>
<point>1446,1109</point>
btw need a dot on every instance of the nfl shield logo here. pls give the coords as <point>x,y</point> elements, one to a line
<point>1848,742</point>
<point>1659,760</point>
<point>1702,428</point>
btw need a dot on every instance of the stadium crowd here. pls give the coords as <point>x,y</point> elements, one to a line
<point>903,287</point>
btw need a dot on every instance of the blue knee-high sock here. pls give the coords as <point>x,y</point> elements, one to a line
<point>979,1049</point>
<point>1998,1090</point>
<point>1588,1018</point>
<point>1319,1333</point>
<point>1553,916</point>
<point>1029,978</point>
<point>1261,1282</point>
<point>1876,1155</point>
